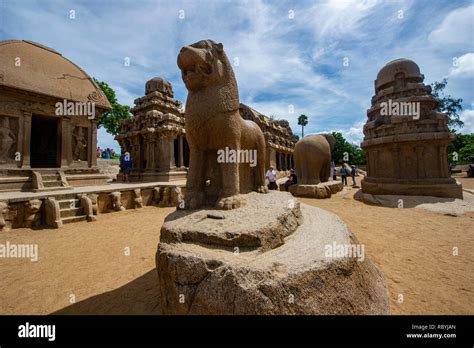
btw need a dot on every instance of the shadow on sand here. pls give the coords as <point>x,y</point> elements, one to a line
<point>140,296</point>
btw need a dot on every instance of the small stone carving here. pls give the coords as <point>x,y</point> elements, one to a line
<point>95,208</point>
<point>87,207</point>
<point>37,180</point>
<point>3,215</point>
<point>176,196</point>
<point>165,197</point>
<point>116,201</point>
<point>7,139</point>
<point>79,144</point>
<point>52,213</point>
<point>31,217</point>
<point>137,198</point>
<point>157,195</point>
<point>63,179</point>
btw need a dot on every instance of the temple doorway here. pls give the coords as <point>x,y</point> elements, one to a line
<point>45,143</point>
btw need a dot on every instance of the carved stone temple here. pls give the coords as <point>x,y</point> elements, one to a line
<point>156,138</point>
<point>406,139</point>
<point>43,146</point>
<point>279,138</point>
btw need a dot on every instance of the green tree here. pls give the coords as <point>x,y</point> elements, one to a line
<point>461,149</point>
<point>346,152</point>
<point>449,105</point>
<point>111,119</point>
<point>302,121</point>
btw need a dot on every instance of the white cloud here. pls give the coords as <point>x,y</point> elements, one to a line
<point>282,61</point>
<point>456,29</point>
<point>464,66</point>
<point>467,116</point>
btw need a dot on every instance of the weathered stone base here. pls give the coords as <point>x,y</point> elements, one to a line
<point>321,190</point>
<point>159,176</point>
<point>450,188</point>
<point>267,257</point>
<point>53,208</point>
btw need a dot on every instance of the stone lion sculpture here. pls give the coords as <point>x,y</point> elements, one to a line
<point>312,156</point>
<point>213,123</point>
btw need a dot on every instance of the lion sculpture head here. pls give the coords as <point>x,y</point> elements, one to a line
<point>206,70</point>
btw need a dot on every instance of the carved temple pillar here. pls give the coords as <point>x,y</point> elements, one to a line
<point>420,162</point>
<point>443,166</point>
<point>26,139</point>
<point>164,153</point>
<point>93,141</point>
<point>272,158</point>
<point>66,136</point>
<point>181,152</point>
<point>172,163</point>
<point>396,162</point>
<point>151,162</point>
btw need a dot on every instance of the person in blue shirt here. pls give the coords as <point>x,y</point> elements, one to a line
<point>344,174</point>
<point>126,166</point>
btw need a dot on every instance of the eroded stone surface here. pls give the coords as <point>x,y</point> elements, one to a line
<point>321,190</point>
<point>261,225</point>
<point>295,277</point>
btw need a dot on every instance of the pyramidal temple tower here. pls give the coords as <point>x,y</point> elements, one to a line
<point>406,139</point>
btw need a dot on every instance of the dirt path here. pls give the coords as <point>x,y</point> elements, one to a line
<point>88,262</point>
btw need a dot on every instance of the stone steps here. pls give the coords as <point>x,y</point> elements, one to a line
<point>44,179</point>
<point>68,203</point>
<point>72,219</point>
<point>70,211</point>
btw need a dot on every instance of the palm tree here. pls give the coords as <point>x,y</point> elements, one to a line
<point>302,121</point>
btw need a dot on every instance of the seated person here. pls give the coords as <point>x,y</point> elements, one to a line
<point>470,172</point>
<point>292,179</point>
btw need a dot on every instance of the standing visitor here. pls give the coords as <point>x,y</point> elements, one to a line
<point>353,174</point>
<point>344,174</point>
<point>333,170</point>
<point>271,176</point>
<point>126,166</point>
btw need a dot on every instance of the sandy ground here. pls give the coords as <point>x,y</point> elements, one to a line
<point>84,268</point>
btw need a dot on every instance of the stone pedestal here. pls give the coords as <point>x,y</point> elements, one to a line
<point>268,257</point>
<point>321,190</point>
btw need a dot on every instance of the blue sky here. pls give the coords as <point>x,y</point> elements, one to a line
<point>284,52</point>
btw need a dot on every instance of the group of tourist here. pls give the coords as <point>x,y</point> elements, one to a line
<point>271,177</point>
<point>345,173</point>
<point>106,153</point>
<point>293,179</point>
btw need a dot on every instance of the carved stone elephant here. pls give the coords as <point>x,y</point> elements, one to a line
<point>312,156</point>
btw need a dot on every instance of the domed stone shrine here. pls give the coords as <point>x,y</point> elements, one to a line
<point>406,139</point>
<point>48,120</point>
